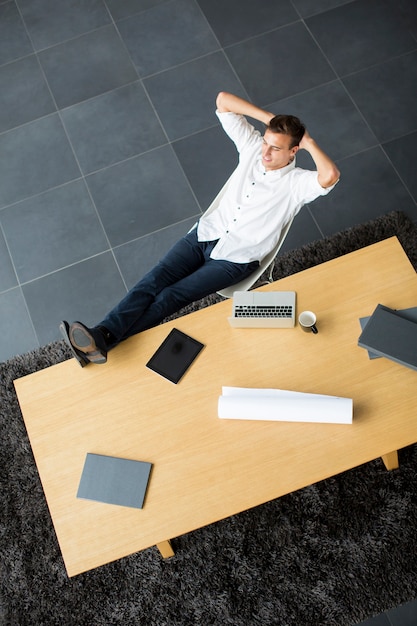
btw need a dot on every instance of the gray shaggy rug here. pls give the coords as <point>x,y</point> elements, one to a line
<point>331,554</point>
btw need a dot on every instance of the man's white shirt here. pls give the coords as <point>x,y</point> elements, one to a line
<point>255,204</point>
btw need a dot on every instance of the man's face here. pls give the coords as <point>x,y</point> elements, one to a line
<point>276,152</point>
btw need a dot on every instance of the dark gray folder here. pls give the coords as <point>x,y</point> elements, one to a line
<point>113,480</point>
<point>388,333</point>
<point>409,314</point>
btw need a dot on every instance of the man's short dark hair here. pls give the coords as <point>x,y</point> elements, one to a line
<point>288,125</point>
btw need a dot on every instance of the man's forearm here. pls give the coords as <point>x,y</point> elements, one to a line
<point>228,102</point>
<point>328,173</point>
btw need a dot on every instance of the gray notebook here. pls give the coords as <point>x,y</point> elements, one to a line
<point>113,480</point>
<point>409,314</point>
<point>389,334</point>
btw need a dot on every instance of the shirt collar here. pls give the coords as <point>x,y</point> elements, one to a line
<point>275,173</point>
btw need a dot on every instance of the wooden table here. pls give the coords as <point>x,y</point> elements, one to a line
<point>206,469</point>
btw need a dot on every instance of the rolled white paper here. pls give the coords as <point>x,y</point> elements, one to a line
<point>282,405</point>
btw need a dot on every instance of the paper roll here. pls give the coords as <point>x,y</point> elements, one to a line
<point>281,405</point>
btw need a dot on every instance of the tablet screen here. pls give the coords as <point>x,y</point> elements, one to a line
<point>175,355</point>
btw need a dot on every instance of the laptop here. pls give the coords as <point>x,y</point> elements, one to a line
<point>263,309</point>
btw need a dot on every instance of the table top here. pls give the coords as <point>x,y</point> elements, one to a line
<point>205,468</point>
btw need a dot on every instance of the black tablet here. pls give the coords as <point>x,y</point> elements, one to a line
<point>175,355</point>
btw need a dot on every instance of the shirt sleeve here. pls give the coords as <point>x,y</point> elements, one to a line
<point>243,134</point>
<point>306,186</point>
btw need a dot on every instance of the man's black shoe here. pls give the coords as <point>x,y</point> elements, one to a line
<point>89,341</point>
<point>79,356</point>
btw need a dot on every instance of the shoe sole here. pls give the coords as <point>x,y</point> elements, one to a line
<point>79,356</point>
<point>83,342</point>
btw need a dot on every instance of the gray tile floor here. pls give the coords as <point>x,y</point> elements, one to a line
<point>110,148</point>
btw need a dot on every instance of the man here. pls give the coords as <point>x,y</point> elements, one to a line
<point>264,192</point>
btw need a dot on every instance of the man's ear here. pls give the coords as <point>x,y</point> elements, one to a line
<point>294,150</point>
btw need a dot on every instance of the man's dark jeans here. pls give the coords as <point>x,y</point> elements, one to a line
<point>185,274</point>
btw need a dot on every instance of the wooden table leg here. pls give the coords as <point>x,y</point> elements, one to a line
<point>391,460</point>
<point>165,548</point>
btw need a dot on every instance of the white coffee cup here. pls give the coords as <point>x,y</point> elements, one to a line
<point>307,321</point>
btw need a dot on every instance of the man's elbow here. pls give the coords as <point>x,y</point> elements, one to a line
<point>221,101</point>
<point>330,178</point>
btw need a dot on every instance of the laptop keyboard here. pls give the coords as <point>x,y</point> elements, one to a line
<point>263,311</point>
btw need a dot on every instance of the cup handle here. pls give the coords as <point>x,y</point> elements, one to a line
<point>314,329</point>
